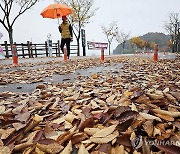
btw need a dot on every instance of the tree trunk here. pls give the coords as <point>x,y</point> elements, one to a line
<point>109,48</point>
<point>78,47</point>
<point>10,33</point>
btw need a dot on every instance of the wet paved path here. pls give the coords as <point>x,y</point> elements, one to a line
<point>25,87</point>
<point>56,78</point>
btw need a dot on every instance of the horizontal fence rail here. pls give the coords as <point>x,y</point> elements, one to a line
<point>31,50</point>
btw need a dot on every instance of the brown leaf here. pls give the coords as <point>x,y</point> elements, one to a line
<point>172,114</point>
<point>165,117</point>
<point>125,140</point>
<point>88,123</point>
<point>155,96</point>
<point>18,126</point>
<point>67,149</point>
<point>91,131</point>
<point>105,132</point>
<point>5,150</point>
<point>16,136</point>
<point>78,138</point>
<point>94,76</point>
<point>106,139</point>
<point>82,150</point>
<point>4,133</point>
<point>119,110</point>
<point>176,95</point>
<point>123,126</point>
<point>23,117</point>
<point>22,146</point>
<point>64,137</point>
<point>169,149</point>
<point>149,116</point>
<point>33,123</point>
<point>50,148</point>
<point>46,141</point>
<point>177,124</point>
<point>127,115</point>
<point>38,136</point>
<point>106,148</point>
<point>170,98</point>
<point>148,127</point>
<point>41,86</point>
<point>2,109</point>
<point>7,122</point>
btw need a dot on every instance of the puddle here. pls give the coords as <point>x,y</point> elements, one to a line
<point>18,87</point>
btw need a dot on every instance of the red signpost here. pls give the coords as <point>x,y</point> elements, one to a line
<point>156,52</point>
<point>98,46</point>
<point>102,54</point>
<point>14,55</point>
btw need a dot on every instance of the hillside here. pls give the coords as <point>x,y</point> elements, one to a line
<point>159,38</point>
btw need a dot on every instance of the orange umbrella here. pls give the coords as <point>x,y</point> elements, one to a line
<point>56,11</point>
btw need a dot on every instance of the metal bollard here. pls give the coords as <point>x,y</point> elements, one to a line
<point>14,55</point>
<point>156,52</point>
<point>65,54</point>
<point>102,54</point>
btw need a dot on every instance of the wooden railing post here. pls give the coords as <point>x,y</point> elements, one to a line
<point>31,50</point>
<point>58,46</point>
<point>28,46</point>
<point>35,50</point>
<point>23,50</point>
<point>46,46</point>
<point>6,48</point>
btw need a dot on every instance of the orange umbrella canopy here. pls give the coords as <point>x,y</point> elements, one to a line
<point>56,11</point>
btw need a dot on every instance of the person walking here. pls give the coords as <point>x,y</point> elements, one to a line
<point>66,35</point>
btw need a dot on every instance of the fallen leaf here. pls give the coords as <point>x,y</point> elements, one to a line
<point>105,132</point>
<point>165,117</point>
<point>149,117</point>
<point>104,139</point>
<point>5,150</point>
<point>50,148</point>
<point>67,149</point>
<point>82,150</point>
<point>2,109</point>
<point>170,149</point>
<point>148,127</point>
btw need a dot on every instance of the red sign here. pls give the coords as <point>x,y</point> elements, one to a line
<point>96,45</point>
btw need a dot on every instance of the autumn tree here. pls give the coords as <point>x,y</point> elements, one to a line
<point>138,42</point>
<point>121,37</point>
<point>110,33</point>
<point>83,11</point>
<point>9,17</point>
<point>173,28</point>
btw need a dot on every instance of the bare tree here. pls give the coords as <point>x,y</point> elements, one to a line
<point>173,28</point>
<point>83,11</point>
<point>110,33</point>
<point>7,18</point>
<point>121,37</point>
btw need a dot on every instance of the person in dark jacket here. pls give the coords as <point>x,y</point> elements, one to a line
<point>66,35</point>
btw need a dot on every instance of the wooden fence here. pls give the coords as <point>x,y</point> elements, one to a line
<point>31,50</point>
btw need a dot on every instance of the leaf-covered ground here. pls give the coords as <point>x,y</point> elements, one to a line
<point>133,109</point>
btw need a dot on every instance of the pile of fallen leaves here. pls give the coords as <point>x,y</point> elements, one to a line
<point>132,110</point>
